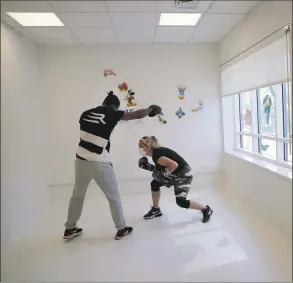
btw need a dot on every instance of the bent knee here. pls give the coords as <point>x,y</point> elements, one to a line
<point>155,186</point>
<point>182,202</point>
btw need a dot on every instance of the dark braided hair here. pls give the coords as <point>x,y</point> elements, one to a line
<point>112,100</point>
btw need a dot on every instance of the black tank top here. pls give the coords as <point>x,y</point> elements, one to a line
<point>171,154</point>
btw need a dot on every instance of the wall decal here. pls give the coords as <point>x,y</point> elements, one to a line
<point>109,72</point>
<point>199,107</point>
<point>130,98</point>
<point>129,110</point>
<point>161,118</point>
<point>123,86</point>
<point>181,90</point>
<point>180,113</point>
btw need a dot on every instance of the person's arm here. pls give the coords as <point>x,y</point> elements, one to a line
<point>151,111</point>
<point>170,165</point>
<point>138,114</point>
<point>144,164</point>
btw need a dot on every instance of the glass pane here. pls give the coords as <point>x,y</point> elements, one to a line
<point>246,142</point>
<point>288,153</point>
<point>245,111</point>
<point>286,113</point>
<point>267,109</point>
<point>267,148</point>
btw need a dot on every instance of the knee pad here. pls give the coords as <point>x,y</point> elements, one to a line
<point>183,202</point>
<point>155,186</point>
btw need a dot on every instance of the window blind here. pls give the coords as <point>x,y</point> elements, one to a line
<point>265,67</point>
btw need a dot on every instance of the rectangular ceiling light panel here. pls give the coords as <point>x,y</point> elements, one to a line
<point>179,19</point>
<point>36,19</point>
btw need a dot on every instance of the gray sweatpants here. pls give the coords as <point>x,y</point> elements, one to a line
<point>103,174</point>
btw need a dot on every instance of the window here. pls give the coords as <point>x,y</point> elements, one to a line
<point>245,112</point>
<point>267,109</point>
<point>268,148</point>
<point>264,124</point>
<point>246,142</point>
<point>245,119</point>
<point>288,152</point>
<point>287,121</point>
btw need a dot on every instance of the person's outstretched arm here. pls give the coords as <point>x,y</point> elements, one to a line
<point>151,111</point>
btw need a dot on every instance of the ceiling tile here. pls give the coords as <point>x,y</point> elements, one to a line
<point>85,19</point>
<point>214,27</point>
<point>50,33</point>
<point>95,35</point>
<point>59,41</point>
<point>47,40</point>
<point>8,20</point>
<point>79,6</point>
<point>173,34</point>
<point>135,19</point>
<point>132,6</point>
<point>26,6</point>
<point>232,6</point>
<point>135,35</point>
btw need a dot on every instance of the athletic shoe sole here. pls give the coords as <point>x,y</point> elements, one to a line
<point>69,237</point>
<point>125,235</point>
<point>210,217</point>
<point>153,216</point>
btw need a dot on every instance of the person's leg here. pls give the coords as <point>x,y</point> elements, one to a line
<point>82,180</point>
<point>181,191</point>
<point>196,205</point>
<point>105,178</point>
<point>156,194</point>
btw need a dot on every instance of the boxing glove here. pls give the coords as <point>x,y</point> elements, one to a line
<point>144,164</point>
<point>155,110</point>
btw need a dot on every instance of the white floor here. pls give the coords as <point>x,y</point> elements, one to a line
<point>237,245</point>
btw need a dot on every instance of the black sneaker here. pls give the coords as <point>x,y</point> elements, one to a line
<point>154,212</point>
<point>72,233</point>
<point>123,233</point>
<point>207,214</point>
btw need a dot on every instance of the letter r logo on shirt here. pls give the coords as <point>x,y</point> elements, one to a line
<point>97,118</point>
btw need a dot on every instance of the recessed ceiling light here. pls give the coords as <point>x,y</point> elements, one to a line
<point>179,19</point>
<point>36,19</point>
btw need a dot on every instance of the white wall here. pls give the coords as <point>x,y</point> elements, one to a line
<point>72,82</point>
<point>23,174</point>
<point>265,191</point>
<point>228,118</point>
<point>266,18</point>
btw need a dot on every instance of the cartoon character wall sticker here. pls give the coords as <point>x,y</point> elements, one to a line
<point>199,107</point>
<point>162,118</point>
<point>130,98</point>
<point>109,72</point>
<point>181,90</point>
<point>180,113</point>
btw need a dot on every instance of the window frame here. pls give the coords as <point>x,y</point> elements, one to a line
<point>280,118</point>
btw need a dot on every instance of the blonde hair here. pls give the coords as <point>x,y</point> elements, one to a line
<point>151,141</point>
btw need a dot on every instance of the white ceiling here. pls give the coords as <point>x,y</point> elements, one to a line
<point>100,22</point>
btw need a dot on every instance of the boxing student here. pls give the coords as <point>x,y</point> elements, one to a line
<point>170,170</point>
<point>93,162</point>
